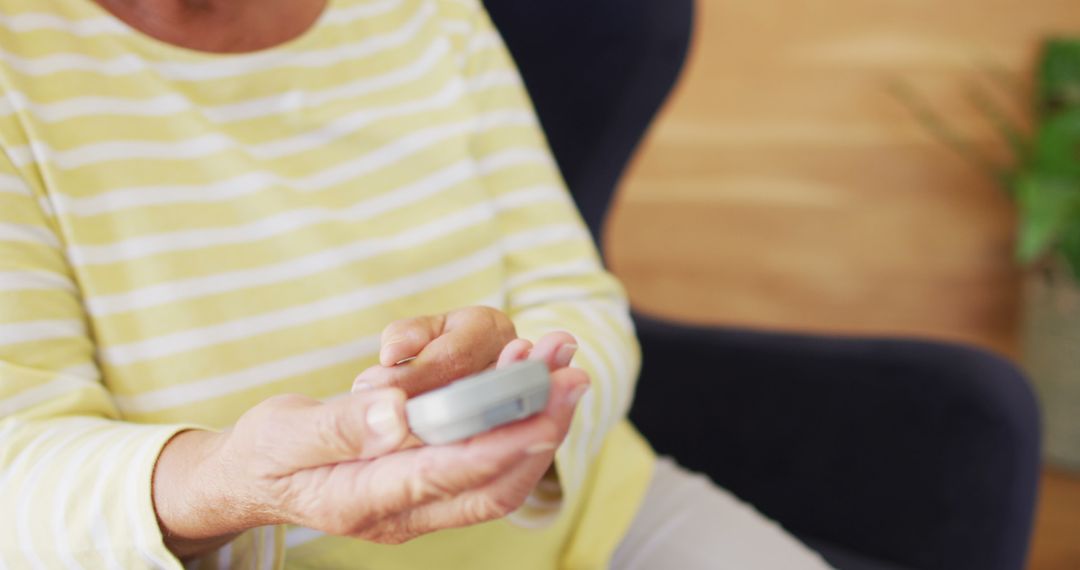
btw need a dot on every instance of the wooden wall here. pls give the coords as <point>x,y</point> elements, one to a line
<point>787,187</point>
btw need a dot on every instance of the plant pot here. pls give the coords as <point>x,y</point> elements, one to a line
<point>1052,359</point>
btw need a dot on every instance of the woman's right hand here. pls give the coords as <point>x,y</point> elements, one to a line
<point>337,467</point>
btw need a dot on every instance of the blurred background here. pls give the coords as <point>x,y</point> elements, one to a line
<point>793,182</point>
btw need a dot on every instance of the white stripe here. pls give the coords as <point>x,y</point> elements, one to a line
<point>31,397</point>
<point>603,385</point>
<point>10,184</point>
<point>36,151</point>
<point>8,425</point>
<point>580,440</point>
<point>43,21</point>
<point>546,295</point>
<point>64,494</point>
<point>266,373</point>
<point>107,470</point>
<point>173,103</point>
<point>235,66</point>
<point>497,78</point>
<point>530,196</point>
<point>349,14</point>
<point>216,143</point>
<point>251,183</point>
<point>584,426</point>
<point>616,402</point>
<point>349,124</point>
<point>577,268</point>
<point>275,104</point>
<point>292,269</point>
<point>46,329</point>
<point>619,385</point>
<point>298,536</point>
<point>515,157</point>
<point>28,234</point>
<point>31,280</point>
<point>140,196</point>
<point>24,455</point>
<point>26,494</point>
<point>96,153</point>
<point>330,307</point>
<point>618,309</point>
<point>145,455</point>
<point>477,43</point>
<point>483,41</point>
<point>197,287</point>
<point>47,65</point>
<point>278,224</point>
<point>84,255</point>
<point>546,235</point>
<point>470,5</point>
<point>86,371</point>
<point>456,27</point>
<point>46,206</point>
<point>98,106</point>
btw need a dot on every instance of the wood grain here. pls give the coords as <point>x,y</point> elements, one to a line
<point>787,176</point>
<point>786,187</point>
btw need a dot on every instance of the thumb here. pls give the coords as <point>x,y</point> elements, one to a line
<point>361,425</point>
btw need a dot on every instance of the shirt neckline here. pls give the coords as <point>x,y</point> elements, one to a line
<point>171,50</point>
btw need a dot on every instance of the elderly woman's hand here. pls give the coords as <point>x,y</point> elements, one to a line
<point>339,467</point>
<point>424,353</point>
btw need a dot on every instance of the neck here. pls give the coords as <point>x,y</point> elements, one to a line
<point>223,26</point>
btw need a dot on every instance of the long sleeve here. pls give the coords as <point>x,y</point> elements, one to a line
<point>555,280</point>
<point>74,478</point>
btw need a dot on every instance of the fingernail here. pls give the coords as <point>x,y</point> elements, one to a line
<point>538,448</point>
<point>362,386</point>
<point>404,360</point>
<point>383,420</point>
<point>384,353</point>
<point>575,395</point>
<point>564,355</point>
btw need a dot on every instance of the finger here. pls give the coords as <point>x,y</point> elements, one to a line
<point>494,500</point>
<point>515,350</point>
<point>350,427</point>
<point>555,348</point>
<point>471,340</point>
<point>405,338</point>
<point>506,491</point>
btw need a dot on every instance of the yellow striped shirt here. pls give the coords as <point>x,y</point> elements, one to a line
<point>184,234</point>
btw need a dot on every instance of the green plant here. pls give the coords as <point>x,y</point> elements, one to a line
<point>1043,173</point>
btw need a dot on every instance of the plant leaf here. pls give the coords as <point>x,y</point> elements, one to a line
<point>1059,77</point>
<point>1057,145</point>
<point>1070,247</point>
<point>940,129</point>
<point>1049,206</point>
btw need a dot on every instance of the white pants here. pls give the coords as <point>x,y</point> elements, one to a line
<point>688,523</point>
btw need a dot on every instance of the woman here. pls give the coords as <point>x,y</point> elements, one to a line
<point>209,209</point>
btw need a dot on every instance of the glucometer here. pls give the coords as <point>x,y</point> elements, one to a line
<point>478,403</point>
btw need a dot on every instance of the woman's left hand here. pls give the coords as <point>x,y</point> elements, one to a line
<point>443,348</point>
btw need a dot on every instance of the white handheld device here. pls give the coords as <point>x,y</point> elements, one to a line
<point>479,403</point>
